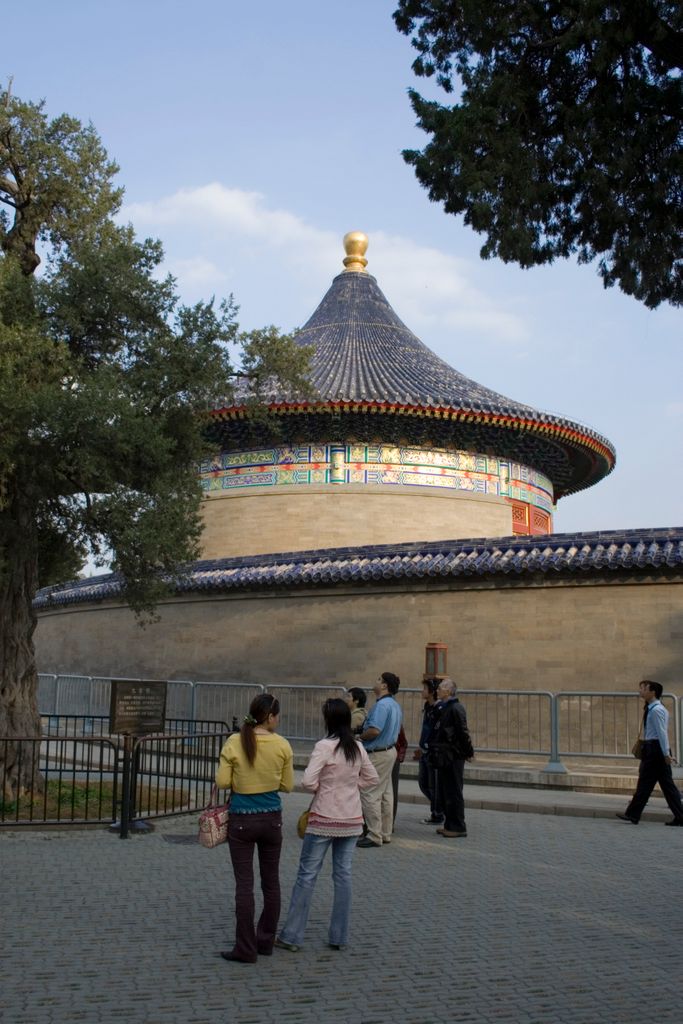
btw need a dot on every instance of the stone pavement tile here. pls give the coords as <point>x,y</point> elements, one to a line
<point>524,807</point>
<point>532,918</point>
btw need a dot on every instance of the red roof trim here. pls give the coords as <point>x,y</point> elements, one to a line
<point>572,436</point>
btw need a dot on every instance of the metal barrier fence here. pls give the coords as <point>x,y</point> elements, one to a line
<point>301,717</point>
<point>517,722</point>
<point>90,695</point>
<point>71,777</point>
<point>98,725</point>
<point>510,721</point>
<point>224,700</point>
<point>47,691</point>
<point>85,775</point>
<point>605,724</point>
<point>78,780</point>
<point>591,724</point>
<point>173,775</point>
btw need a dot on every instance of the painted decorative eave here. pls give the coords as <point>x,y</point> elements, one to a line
<point>567,434</point>
<point>579,554</point>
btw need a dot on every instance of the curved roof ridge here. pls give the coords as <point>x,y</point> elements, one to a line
<point>659,548</point>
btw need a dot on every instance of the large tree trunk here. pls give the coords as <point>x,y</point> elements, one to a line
<point>19,715</point>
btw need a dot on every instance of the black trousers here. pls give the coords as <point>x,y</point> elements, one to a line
<point>449,782</point>
<point>426,780</point>
<point>263,832</point>
<point>653,770</point>
<point>395,773</point>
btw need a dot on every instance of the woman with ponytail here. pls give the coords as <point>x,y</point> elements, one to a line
<point>256,764</point>
<point>338,767</point>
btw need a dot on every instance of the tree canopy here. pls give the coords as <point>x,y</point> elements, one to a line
<point>105,382</point>
<point>565,137</point>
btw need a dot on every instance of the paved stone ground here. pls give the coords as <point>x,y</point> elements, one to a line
<point>533,919</point>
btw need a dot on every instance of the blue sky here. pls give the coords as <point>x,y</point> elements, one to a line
<point>252,137</point>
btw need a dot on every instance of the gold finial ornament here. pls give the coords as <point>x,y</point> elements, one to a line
<point>355,244</point>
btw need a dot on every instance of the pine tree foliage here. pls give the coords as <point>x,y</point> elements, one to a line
<point>106,381</point>
<point>565,137</point>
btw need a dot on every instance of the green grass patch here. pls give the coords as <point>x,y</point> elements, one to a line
<point>86,801</point>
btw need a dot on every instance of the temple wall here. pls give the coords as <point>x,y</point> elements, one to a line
<point>549,635</point>
<point>282,519</point>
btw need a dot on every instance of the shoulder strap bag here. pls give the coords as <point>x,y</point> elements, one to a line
<point>213,822</point>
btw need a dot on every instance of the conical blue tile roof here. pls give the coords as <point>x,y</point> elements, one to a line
<point>366,361</point>
<point>363,351</point>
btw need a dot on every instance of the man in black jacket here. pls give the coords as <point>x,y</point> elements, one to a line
<point>450,748</point>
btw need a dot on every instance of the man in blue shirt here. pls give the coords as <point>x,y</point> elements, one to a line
<point>655,765</point>
<point>379,737</point>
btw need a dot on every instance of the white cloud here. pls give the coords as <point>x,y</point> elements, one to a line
<point>198,272</point>
<point>221,230</point>
<point>214,210</point>
<point>435,291</point>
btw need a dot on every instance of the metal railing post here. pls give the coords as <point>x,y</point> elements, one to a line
<point>554,765</point>
<point>125,786</point>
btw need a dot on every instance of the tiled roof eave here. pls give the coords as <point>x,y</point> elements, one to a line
<point>656,551</point>
<point>564,432</point>
<point>565,429</point>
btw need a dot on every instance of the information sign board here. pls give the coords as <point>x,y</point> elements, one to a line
<point>138,706</point>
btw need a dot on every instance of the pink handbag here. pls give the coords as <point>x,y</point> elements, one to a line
<point>213,822</point>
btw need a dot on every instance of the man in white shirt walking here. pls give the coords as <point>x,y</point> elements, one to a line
<point>655,765</point>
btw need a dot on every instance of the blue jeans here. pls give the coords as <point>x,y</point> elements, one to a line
<point>312,857</point>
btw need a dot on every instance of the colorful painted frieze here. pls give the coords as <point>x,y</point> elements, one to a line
<point>377,465</point>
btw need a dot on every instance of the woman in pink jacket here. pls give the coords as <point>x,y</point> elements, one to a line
<point>338,767</point>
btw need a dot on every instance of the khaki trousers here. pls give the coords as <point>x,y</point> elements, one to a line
<point>378,801</point>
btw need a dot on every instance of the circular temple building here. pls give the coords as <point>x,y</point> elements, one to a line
<point>394,446</point>
<point>398,505</point>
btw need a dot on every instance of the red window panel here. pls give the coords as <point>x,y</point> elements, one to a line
<point>520,517</point>
<point>540,521</point>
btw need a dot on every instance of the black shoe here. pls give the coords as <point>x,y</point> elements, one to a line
<point>675,821</point>
<point>229,955</point>
<point>432,821</point>
<point>625,817</point>
<point>333,945</point>
<point>365,842</point>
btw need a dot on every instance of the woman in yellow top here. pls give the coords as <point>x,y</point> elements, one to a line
<point>256,764</point>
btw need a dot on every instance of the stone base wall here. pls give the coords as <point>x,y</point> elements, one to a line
<point>312,518</point>
<point>585,635</point>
